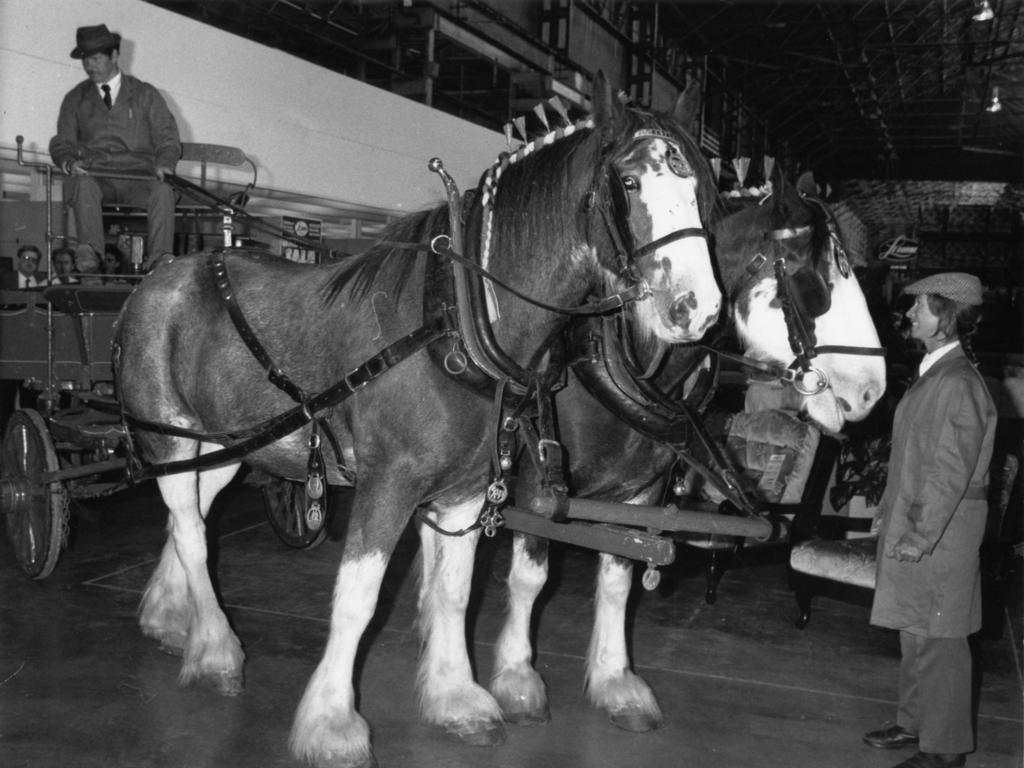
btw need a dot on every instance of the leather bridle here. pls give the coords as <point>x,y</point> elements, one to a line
<point>798,310</point>
<point>615,209</point>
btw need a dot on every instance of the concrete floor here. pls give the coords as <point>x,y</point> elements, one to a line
<point>739,685</point>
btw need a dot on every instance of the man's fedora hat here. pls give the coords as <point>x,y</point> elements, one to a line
<point>93,40</point>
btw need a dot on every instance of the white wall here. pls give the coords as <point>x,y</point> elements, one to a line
<point>309,130</point>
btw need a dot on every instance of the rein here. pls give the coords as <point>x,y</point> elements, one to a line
<point>442,246</point>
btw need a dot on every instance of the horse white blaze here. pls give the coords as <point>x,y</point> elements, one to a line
<point>857,381</point>
<point>611,684</point>
<point>762,327</point>
<point>687,296</point>
<point>327,726</point>
<point>516,685</point>
<point>448,695</point>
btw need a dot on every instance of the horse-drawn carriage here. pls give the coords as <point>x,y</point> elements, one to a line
<point>526,358</point>
<point>68,441</point>
<point>57,339</point>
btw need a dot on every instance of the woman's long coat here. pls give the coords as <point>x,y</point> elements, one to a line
<point>943,431</point>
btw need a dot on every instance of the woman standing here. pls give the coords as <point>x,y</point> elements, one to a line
<point>932,518</point>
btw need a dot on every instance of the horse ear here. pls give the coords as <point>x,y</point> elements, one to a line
<point>806,185</point>
<point>778,178</point>
<point>785,197</point>
<point>605,106</point>
<point>687,108</point>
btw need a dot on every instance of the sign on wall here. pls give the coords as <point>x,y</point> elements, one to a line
<point>305,229</point>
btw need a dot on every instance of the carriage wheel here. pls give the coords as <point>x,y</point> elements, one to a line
<point>35,515</point>
<point>285,502</point>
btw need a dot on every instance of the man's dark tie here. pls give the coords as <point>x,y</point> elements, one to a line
<point>106,96</point>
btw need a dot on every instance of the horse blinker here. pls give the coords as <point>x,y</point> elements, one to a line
<point>810,292</point>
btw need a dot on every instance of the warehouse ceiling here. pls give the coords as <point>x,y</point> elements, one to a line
<point>900,87</point>
<point>890,101</point>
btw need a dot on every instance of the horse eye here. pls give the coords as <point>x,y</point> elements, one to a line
<point>631,183</point>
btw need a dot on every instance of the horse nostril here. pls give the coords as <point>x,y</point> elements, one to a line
<point>844,404</point>
<point>871,395</point>
<point>681,308</point>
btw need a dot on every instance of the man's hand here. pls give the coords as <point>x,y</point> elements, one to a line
<point>73,168</point>
<point>162,171</point>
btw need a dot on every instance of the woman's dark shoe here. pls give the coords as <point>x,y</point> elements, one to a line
<point>890,737</point>
<point>933,760</point>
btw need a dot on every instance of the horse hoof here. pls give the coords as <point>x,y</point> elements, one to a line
<point>369,762</point>
<point>226,683</point>
<point>170,649</point>
<point>171,643</point>
<point>542,717</point>
<point>477,733</point>
<point>635,722</point>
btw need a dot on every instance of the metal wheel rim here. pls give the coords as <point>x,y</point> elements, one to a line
<point>36,522</point>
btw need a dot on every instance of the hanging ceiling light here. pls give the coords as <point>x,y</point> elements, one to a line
<point>983,11</point>
<point>994,105</point>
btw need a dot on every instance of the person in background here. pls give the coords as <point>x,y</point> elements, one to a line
<point>115,123</point>
<point>114,263</point>
<point>63,267</point>
<point>88,266</point>
<point>26,274</point>
<point>932,518</point>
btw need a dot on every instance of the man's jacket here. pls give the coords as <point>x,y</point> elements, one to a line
<point>138,133</point>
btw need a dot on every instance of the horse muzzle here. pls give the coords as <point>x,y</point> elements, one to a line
<point>697,317</point>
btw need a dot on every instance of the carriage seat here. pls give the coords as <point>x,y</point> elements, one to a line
<point>217,154</point>
<point>196,218</point>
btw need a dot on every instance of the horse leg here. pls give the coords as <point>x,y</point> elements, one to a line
<point>164,611</point>
<point>327,731</point>
<point>179,607</point>
<point>516,685</point>
<point>448,695</point>
<point>610,683</point>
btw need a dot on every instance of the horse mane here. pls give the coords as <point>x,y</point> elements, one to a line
<point>543,177</point>
<point>389,263</point>
<point>530,189</point>
<point>533,183</point>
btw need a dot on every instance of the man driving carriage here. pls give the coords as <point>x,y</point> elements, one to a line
<point>115,123</point>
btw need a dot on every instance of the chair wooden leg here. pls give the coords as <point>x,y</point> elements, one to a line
<point>803,601</point>
<point>718,563</point>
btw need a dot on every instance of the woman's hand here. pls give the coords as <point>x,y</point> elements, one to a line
<point>905,551</point>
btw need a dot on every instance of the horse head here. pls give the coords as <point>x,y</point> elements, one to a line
<point>797,304</point>
<point>661,191</point>
<point>613,205</point>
